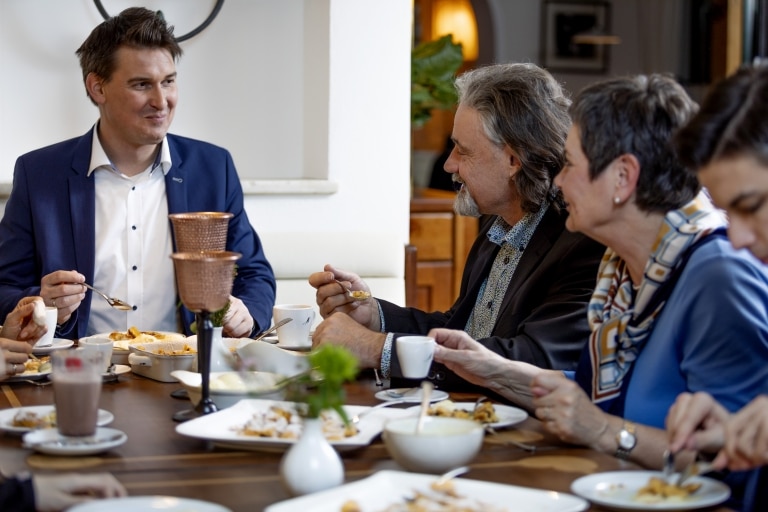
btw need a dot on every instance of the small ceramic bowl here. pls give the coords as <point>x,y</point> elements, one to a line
<point>442,444</point>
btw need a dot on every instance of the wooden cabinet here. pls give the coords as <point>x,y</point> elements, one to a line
<point>442,240</point>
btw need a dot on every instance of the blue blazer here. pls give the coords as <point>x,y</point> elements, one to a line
<point>49,222</point>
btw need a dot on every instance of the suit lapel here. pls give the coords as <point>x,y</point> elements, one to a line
<point>82,205</point>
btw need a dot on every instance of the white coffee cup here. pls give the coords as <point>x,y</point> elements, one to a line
<point>296,332</point>
<point>415,355</point>
<point>51,315</point>
<point>103,346</point>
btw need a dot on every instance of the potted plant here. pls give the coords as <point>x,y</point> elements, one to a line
<point>312,464</point>
<point>433,69</point>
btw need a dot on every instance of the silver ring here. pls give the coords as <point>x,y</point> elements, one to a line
<point>13,367</point>
<point>53,303</point>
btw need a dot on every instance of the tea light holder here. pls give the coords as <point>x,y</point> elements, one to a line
<point>204,280</point>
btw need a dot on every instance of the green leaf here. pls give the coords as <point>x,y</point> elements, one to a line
<point>433,69</point>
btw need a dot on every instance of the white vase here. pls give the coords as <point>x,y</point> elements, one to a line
<point>311,464</point>
<point>221,357</point>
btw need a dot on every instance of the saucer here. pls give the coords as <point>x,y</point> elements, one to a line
<point>7,415</point>
<point>410,395</point>
<point>118,369</point>
<point>148,503</point>
<point>51,442</point>
<point>58,344</point>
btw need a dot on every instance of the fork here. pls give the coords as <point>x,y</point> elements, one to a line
<point>669,464</point>
<point>115,303</point>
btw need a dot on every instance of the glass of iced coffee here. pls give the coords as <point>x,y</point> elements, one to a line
<point>76,389</point>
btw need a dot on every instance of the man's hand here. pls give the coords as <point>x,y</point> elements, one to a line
<point>238,322</point>
<point>63,291</point>
<point>340,329</point>
<point>332,298</point>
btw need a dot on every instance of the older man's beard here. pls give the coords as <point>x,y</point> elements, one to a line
<point>465,205</point>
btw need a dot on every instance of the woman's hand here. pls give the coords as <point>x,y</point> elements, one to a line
<point>696,422</point>
<point>746,437</point>
<point>19,325</point>
<point>566,410</point>
<point>237,322</point>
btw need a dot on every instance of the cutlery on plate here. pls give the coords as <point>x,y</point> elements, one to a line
<point>356,418</point>
<point>450,475</point>
<point>272,329</point>
<point>695,467</point>
<point>669,465</point>
<point>115,303</point>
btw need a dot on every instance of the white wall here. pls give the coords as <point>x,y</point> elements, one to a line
<point>268,80</point>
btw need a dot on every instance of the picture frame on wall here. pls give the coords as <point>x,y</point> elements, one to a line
<point>564,19</point>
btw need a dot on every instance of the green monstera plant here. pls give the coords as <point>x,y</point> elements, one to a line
<point>433,69</point>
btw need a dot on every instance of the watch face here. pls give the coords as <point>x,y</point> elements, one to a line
<point>627,440</point>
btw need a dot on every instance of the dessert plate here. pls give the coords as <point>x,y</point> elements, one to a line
<point>223,427</point>
<point>618,490</point>
<point>7,415</point>
<point>390,488</point>
<point>58,344</point>
<point>51,442</point>
<point>147,504</point>
<point>409,395</point>
<point>507,415</point>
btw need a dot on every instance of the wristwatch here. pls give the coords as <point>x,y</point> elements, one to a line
<point>626,440</point>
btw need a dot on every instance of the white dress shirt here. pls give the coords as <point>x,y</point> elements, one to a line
<point>133,246</point>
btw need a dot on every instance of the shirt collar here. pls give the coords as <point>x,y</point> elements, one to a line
<point>501,232</point>
<point>100,160</point>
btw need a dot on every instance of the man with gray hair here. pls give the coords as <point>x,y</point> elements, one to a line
<point>527,280</point>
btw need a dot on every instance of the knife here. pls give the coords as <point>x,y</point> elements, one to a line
<point>272,329</point>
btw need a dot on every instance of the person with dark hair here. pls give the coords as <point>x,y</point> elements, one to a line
<point>526,280</point>
<point>671,295</point>
<point>727,143</point>
<point>94,209</point>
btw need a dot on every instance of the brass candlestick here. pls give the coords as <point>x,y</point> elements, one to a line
<point>204,280</point>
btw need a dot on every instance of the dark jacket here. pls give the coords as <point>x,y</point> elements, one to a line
<point>543,319</point>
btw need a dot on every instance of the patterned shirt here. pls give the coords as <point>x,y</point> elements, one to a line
<point>513,241</point>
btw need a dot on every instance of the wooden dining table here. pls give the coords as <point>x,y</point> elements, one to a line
<point>156,460</point>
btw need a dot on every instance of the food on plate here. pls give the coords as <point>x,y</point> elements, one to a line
<point>32,420</point>
<point>280,422</point>
<point>185,350</point>
<point>37,365</point>
<point>123,340</point>
<point>38,314</point>
<point>483,413</point>
<point>441,496</point>
<point>657,490</point>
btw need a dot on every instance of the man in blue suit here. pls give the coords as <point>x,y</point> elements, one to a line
<point>95,208</point>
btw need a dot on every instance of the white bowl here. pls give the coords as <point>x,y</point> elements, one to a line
<point>228,388</point>
<point>442,444</point>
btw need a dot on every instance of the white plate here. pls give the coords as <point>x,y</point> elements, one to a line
<point>7,415</point>
<point>385,488</point>
<point>410,395</point>
<point>617,489</point>
<point>118,369</point>
<point>58,344</point>
<point>103,440</point>
<point>147,504</point>
<point>221,427</point>
<point>21,377</point>
<point>507,415</point>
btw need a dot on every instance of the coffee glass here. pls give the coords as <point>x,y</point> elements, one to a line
<point>101,346</point>
<point>415,354</point>
<point>296,332</point>
<point>76,379</point>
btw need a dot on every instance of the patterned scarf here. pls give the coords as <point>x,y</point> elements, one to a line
<point>620,318</point>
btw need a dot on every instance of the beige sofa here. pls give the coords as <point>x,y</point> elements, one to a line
<point>378,259</point>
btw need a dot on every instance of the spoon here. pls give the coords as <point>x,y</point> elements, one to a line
<point>450,475</point>
<point>426,391</point>
<point>354,294</point>
<point>115,303</point>
<point>356,418</point>
<point>272,329</point>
